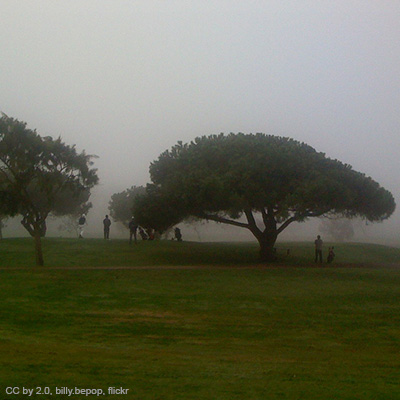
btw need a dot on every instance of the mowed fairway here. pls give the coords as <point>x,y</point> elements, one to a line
<point>207,332</point>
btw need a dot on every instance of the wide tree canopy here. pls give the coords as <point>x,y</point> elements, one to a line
<point>40,176</point>
<point>229,178</point>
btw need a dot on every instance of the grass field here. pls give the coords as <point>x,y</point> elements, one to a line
<point>97,252</point>
<point>225,330</point>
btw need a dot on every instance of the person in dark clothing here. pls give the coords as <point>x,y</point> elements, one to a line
<point>106,224</point>
<point>81,225</point>
<point>132,230</point>
<point>178,234</point>
<point>318,249</point>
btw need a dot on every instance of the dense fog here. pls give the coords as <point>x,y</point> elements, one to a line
<point>127,80</point>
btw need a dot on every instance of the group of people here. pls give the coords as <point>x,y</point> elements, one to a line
<point>145,234</point>
<point>134,230</point>
<point>318,251</point>
<point>82,224</point>
<point>149,234</point>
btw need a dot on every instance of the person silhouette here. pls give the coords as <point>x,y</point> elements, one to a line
<point>178,234</point>
<point>106,224</point>
<point>318,249</point>
<point>132,230</point>
<point>81,225</point>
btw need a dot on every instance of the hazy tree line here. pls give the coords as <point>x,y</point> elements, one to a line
<point>230,179</point>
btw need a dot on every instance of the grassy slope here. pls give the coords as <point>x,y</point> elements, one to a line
<point>239,333</point>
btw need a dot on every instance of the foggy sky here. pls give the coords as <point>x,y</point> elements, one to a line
<point>126,80</point>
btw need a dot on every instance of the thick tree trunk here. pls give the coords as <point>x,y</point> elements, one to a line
<point>267,251</point>
<point>38,247</point>
<point>267,237</point>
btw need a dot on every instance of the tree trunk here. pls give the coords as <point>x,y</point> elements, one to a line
<point>27,226</point>
<point>267,251</point>
<point>36,229</point>
<point>38,246</point>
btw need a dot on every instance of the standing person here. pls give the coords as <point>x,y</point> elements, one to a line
<point>106,224</point>
<point>178,234</point>
<point>318,249</point>
<point>132,230</point>
<point>81,225</point>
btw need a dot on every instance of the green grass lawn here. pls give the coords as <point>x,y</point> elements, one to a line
<point>98,252</point>
<point>293,332</point>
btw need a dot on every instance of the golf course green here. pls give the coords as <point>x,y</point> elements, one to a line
<point>169,320</point>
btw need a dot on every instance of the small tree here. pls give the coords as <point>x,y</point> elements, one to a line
<point>40,176</point>
<point>121,203</point>
<point>228,179</point>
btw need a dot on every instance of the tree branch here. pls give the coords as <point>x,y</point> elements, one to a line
<point>264,216</point>
<point>217,218</point>
<point>299,217</point>
<point>286,224</point>
<point>250,217</point>
<point>252,224</point>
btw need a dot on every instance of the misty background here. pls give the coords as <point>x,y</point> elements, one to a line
<point>125,80</point>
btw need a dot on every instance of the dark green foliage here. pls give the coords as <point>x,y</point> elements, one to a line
<point>41,176</point>
<point>156,209</point>
<point>120,205</point>
<point>223,178</point>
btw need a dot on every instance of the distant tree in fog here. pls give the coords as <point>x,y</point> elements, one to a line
<point>121,204</point>
<point>230,178</point>
<point>40,176</point>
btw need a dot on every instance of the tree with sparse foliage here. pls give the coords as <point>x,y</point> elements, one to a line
<point>230,178</point>
<point>40,176</point>
<point>121,204</point>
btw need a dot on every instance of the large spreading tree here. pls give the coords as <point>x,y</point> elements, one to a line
<point>40,176</point>
<point>231,178</point>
